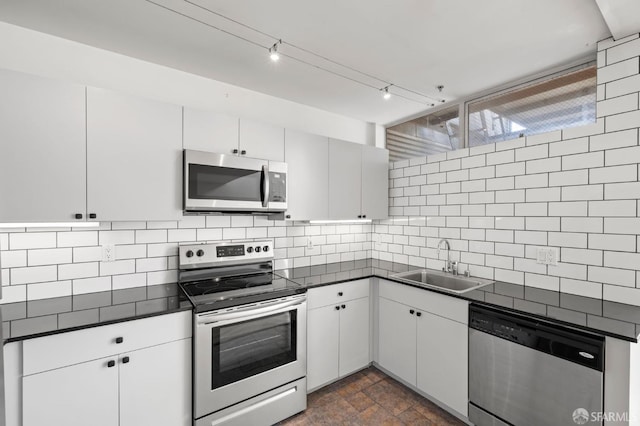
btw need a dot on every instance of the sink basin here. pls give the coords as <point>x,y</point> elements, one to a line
<point>442,281</point>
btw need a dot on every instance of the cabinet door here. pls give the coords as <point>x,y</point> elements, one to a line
<point>79,395</point>
<point>307,157</point>
<point>397,340</point>
<point>134,152</point>
<point>155,385</point>
<point>345,179</point>
<point>322,346</point>
<point>210,131</point>
<point>261,140</point>
<point>443,360</point>
<point>375,182</point>
<point>354,336</point>
<point>42,149</point>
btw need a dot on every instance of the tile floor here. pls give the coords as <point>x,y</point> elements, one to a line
<point>370,397</point>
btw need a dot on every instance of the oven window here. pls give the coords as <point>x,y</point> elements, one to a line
<point>251,347</point>
<point>223,183</point>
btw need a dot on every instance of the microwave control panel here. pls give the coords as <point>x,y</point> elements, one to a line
<point>277,187</point>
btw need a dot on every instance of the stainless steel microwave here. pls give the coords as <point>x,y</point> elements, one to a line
<point>226,183</point>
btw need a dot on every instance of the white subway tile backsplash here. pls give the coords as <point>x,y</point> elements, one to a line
<point>32,240</point>
<point>512,144</point>
<point>581,288</point>
<point>586,224</point>
<point>626,120</point>
<point>614,140</point>
<point>623,86</point>
<point>568,270</point>
<point>78,270</point>
<point>618,70</point>
<point>576,177</point>
<point>482,172</point>
<point>617,105</point>
<point>77,238</point>
<point>567,147</point>
<point>510,169</point>
<point>612,242</point>
<point>568,239</point>
<point>500,183</point>
<point>543,224</point>
<point>87,254</point>
<point>513,277</point>
<point>116,237</point>
<point>624,156</point>
<point>582,131</point>
<point>622,225</point>
<point>118,267</point>
<point>532,181</point>
<point>501,157</point>
<point>482,149</point>
<point>583,192</point>
<point>544,282</point>
<point>120,282</point>
<point>513,196</point>
<point>510,223</point>
<point>588,257</point>
<point>91,285</point>
<point>532,152</point>
<point>612,174</point>
<point>582,161</point>
<point>621,191</point>
<point>626,48</point>
<point>446,166</point>
<point>531,209</point>
<point>215,234</point>
<point>568,208</point>
<point>34,274</point>
<point>499,209</point>
<point>612,276</point>
<point>14,293</point>
<point>151,236</point>
<point>13,259</point>
<point>536,195</point>
<point>474,161</point>
<point>151,264</point>
<point>544,138</point>
<point>48,290</point>
<point>613,208</point>
<point>543,165</point>
<point>530,237</point>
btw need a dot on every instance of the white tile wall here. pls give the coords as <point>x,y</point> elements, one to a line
<point>577,189</point>
<point>61,262</point>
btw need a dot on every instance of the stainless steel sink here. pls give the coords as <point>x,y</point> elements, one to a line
<point>442,281</point>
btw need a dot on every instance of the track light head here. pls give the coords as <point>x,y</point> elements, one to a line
<point>273,51</point>
<point>385,93</point>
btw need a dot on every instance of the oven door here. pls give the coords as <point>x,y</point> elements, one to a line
<point>247,350</point>
<point>220,182</point>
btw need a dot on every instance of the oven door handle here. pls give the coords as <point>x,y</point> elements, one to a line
<point>247,313</point>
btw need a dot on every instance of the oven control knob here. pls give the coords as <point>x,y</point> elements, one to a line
<point>258,248</point>
<point>200,253</point>
<point>265,248</point>
<point>189,253</point>
<point>249,249</point>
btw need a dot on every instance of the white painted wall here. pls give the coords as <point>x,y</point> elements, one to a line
<point>45,55</point>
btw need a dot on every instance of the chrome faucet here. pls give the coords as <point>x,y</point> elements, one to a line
<point>449,266</point>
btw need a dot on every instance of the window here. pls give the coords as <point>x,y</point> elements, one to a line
<point>559,102</point>
<point>427,135</point>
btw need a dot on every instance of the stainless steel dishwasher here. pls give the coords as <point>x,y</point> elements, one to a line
<point>524,371</point>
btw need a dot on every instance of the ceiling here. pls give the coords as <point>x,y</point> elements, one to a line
<point>465,45</point>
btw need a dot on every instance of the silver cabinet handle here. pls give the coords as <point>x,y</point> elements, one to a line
<point>265,186</point>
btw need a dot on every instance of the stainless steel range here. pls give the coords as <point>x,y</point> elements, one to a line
<point>249,334</point>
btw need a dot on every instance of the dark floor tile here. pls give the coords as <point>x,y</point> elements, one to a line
<point>338,413</point>
<point>413,417</point>
<point>354,386</point>
<point>377,415</point>
<point>322,397</point>
<point>360,401</point>
<point>389,397</point>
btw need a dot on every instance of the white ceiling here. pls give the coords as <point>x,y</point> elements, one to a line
<point>466,45</point>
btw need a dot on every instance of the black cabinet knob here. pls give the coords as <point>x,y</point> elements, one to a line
<point>111,363</point>
<point>359,216</point>
<point>78,215</point>
<point>243,152</point>
<point>235,151</point>
<point>125,360</point>
<point>288,216</point>
<point>119,340</point>
<point>364,216</point>
<point>411,311</point>
<point>93,216</point>
<point>419,314</point>
<point>343,306</point>
<point>340,293</point>
<point>337,308</point>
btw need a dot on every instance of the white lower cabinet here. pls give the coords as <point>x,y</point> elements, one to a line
<point>338,331</point>
<point>143,378</point>
<point>423,339</point>
<point>397,340</point>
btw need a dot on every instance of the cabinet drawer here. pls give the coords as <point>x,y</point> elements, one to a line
<point>429,301</point>
<point>60,350</point>
<point>331,294</point>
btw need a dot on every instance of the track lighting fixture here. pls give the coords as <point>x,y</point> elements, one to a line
<point>273,51</point>
<point>385,93</point>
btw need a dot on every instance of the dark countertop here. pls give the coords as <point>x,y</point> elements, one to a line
<point>595,315</point>
<point>36,318</point>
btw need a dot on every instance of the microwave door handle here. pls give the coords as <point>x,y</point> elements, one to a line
<point>265,186</point>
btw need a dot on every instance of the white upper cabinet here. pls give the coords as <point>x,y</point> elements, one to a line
<point>358,181</point>
<point>345,179</point>
<point>42,149</point>
<point>307,157</point>
<point>134,153</point>
<point>261,140</point>
<point>375,182</point>
<point>210,131</point>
